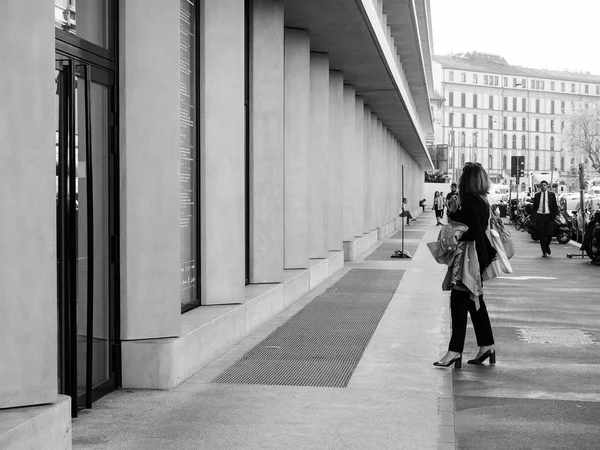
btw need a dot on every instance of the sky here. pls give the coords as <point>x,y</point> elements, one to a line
<point>540,34</point>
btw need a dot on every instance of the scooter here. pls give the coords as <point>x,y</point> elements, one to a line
<point>562,228</point>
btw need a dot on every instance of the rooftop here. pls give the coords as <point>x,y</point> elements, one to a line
<point>487,62</point>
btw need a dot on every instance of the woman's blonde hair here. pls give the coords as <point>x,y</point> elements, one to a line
<point>473,181</point>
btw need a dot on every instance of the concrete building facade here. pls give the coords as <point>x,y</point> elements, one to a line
<point>494,110</point>
<point>178,172</point>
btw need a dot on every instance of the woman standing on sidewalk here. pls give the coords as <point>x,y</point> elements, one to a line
<point>474,212</point>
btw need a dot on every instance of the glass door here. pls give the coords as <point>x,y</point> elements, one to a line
<point>86,232</point>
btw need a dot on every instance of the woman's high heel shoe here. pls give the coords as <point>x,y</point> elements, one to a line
<point>457,361</point>
<point>489,354</point>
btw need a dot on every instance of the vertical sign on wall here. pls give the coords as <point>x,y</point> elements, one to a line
<point>187,148</point>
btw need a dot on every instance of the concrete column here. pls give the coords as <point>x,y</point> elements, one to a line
<point>150,178</point>
<point>336,166</point>
<point>266,142</point>
<point>223,148</point>
<point>349,159</point>
<point>28,322</point>
<point>319,156</point>
<point>380,174</point>
<point>367,178</point>
<point>359,171</point>
<point>297,107</point>
<point>373,172</point>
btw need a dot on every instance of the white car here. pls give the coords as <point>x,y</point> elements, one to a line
<point>569,201</point>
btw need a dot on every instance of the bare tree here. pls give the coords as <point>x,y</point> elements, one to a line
<point>581,133</point>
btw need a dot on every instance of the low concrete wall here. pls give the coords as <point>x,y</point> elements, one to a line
<point>37,427</point>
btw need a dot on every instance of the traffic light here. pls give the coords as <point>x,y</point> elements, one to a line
<point>517,166</point>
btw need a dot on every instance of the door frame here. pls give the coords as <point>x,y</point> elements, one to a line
<point>67,314</point>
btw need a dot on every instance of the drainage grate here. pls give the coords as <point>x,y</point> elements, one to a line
<point>409,234</point>
<point>322,344</point>
<point>384,251</point>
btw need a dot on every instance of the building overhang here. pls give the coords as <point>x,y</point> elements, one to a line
<point>354,35</point>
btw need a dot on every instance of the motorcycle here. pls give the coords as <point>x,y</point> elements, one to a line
<point>562,228</point>
<point>591,240</point>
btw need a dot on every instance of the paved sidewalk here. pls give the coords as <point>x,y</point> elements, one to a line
<point>396,398</point>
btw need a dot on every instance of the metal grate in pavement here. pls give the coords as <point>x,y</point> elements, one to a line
<point>409,234</point>
<point>322,344</point>
<point>384,251</point>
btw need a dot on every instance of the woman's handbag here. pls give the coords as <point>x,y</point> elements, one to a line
<point>500,264</point>
<point>505,236</point>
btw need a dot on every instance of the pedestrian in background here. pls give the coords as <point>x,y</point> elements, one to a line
<point>439,204</point>
<point>474,212</point>
<point>406,213</point>
<point>453,193</point>
<point>545,209</point>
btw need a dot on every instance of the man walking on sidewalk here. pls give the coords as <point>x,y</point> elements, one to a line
<point>545,210</point>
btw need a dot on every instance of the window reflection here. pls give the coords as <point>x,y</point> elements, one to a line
<point>87,19</point>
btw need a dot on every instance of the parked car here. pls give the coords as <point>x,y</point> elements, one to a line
<point>569,201</point>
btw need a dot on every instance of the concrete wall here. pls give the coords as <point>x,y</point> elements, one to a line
<point>28,321</point>
<point>266,142</point>
<point>222,131</point>
<point>149,172</point>
<point>297,107</point>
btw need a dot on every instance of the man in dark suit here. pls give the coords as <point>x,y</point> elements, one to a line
<point>545,209</point>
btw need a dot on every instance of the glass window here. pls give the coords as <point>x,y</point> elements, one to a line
<point>188,125</point>
<point>475,78</point>
<point>523,142</point>
<point>524,105</point>
<point>597,90</point>
<point>524,124</point>
<point>537,106</point>
<point>552,148</point>
<point>451,98</point>
<point>505,103</point>
<point>552,162</point>
<point>537,84</point>
<point>562,87</point>
<point>463,77</point>
<point>491,102</point>
<point>504,158</point>
<point>475,139</point>
<point>504,141</point>
<point>463,100</point>
<point>537,163</point>
<point>495,81</point>
<point>537,124</point>
<point>514,141</point>
<point>463,120</point>
<point>523,83</point>
<point>450,75</point>
<point>87,20</point>
<point>514,123</point>
<point>562,107</point>
<point>504,123</point>
<point>572,87</point>
<point>537,145</point>
<point>451,119</point>
<point>552,85</point>
<point>514,103</point>
<point>485,79</point>
<point>505,81</point>
<point>542,84</point>
<point>462,159</point>
<point>552,126</point>
<point>552,107</point>
<point>490,140</point>
<point>562,163</point>
<point>474,100</point>
<point>474,120</point>
<point>462,139</point>
<point>490,122</point>
<point>587,89</point>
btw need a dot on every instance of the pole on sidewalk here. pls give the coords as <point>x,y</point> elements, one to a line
<point>402,253</point>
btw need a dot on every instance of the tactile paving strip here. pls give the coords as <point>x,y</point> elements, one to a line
<point>322,344</point>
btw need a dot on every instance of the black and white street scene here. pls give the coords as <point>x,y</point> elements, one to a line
<point>299,225</point>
